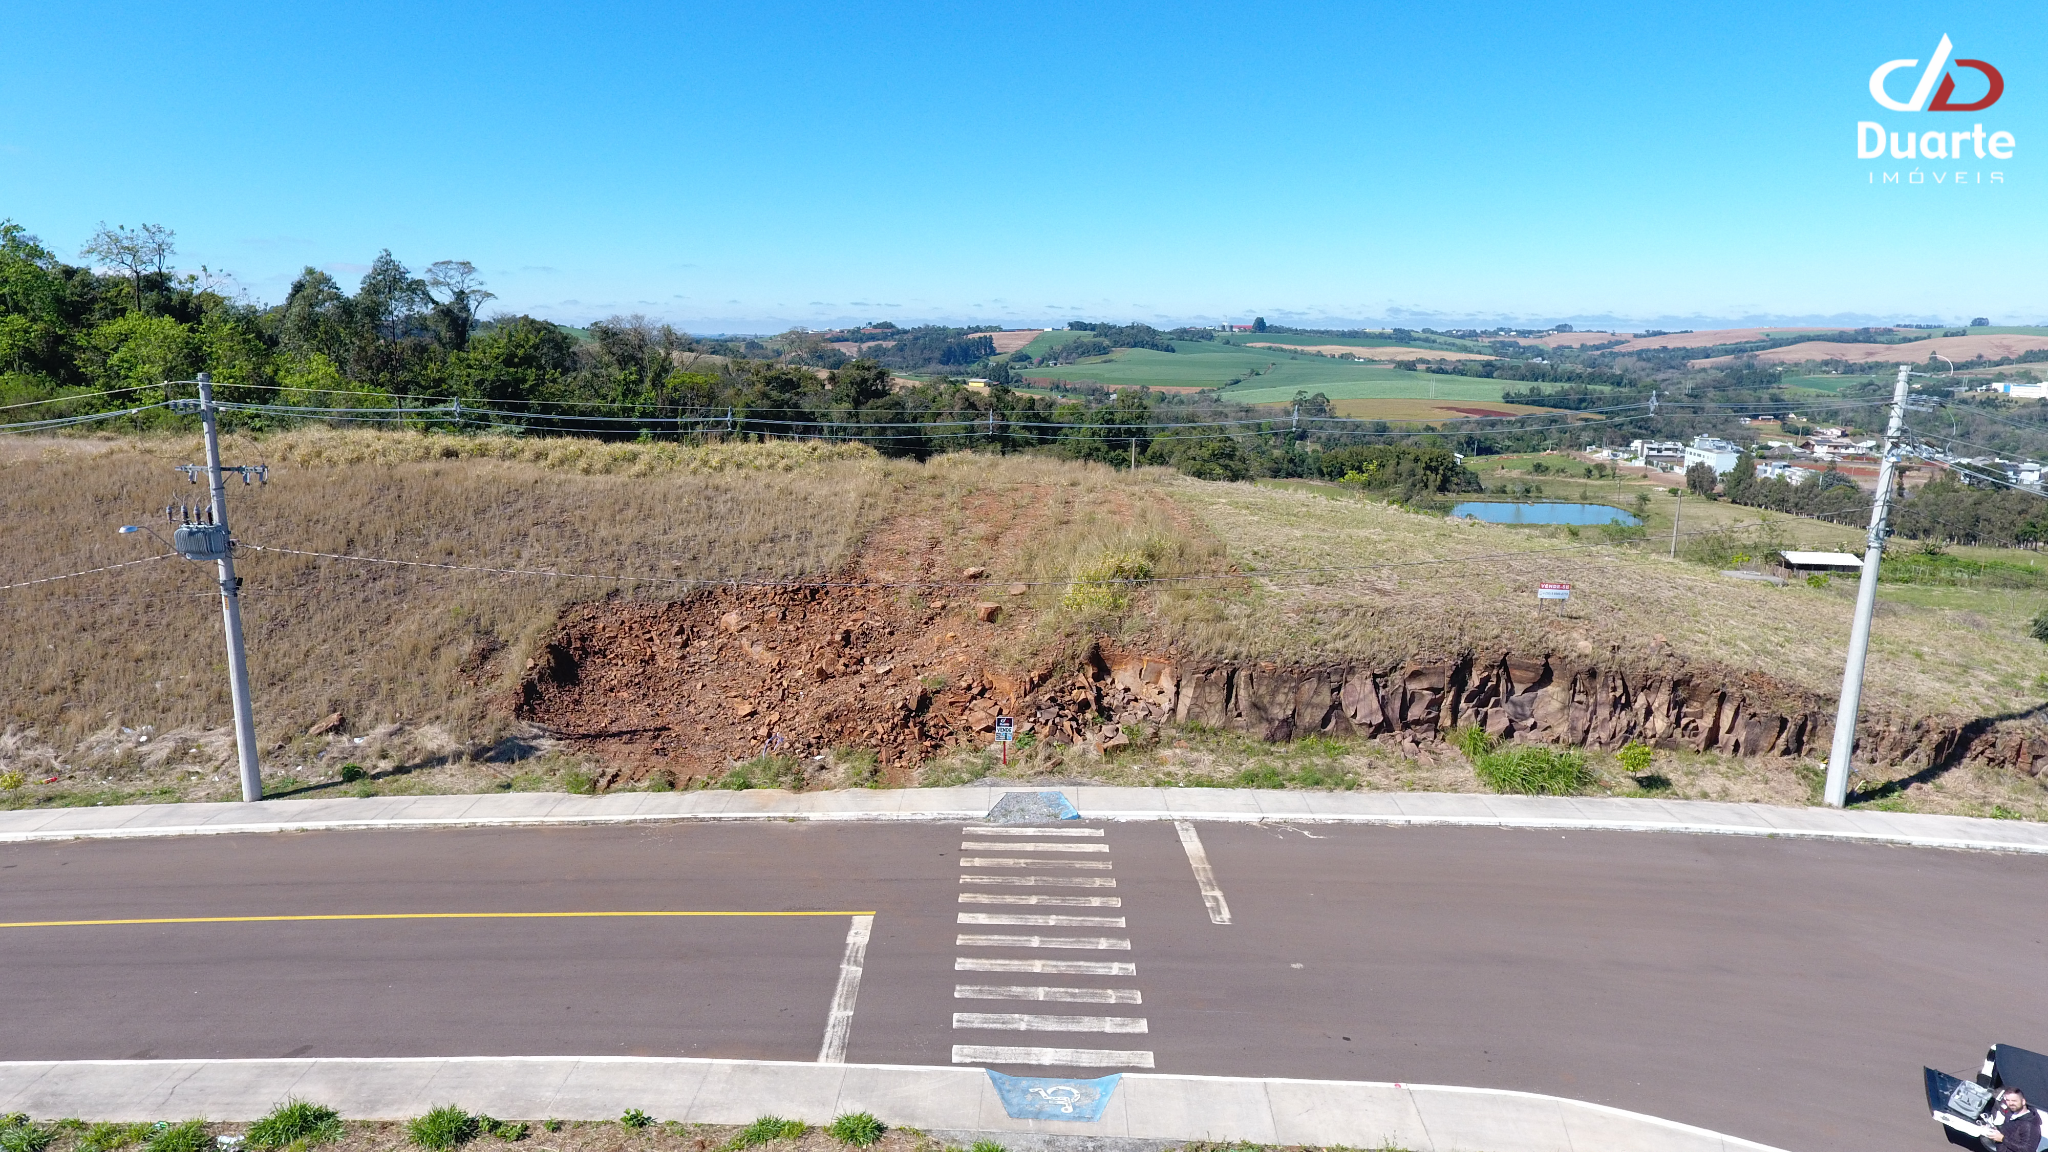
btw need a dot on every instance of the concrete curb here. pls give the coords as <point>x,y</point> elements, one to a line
<point>1420,809</point>
<point>942,1101</point>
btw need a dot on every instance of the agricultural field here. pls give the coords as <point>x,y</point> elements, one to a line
<point>1825,383</point>
<point>1269,374</point>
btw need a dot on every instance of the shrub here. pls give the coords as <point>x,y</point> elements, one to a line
<point>9,781</point>
<point>293,1121</point>
<point>350,773</point>
<point>768,1128</point>
<point>578,781</point>
<point>635,1118</point>
<point>859,1129</point>
<point>441,1129</point>
<point>187,1137</point>
<point>1534,771</point>
<point>1635,756</point>
<point>21,1136</point>
<point>551,1124</point>
<point>2039,628</point>
<point>1104,583</point>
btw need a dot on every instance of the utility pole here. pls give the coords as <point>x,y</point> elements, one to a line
<point>1677,511</point>
<point>1837,793</point>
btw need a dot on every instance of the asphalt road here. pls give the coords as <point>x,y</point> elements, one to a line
<point>1785,991</point>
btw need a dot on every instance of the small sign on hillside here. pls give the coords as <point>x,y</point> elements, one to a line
<point>1553,591</point>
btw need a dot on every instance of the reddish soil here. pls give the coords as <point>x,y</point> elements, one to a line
<point>1008,342</point>
<point>914,655</point>
<point>1712,336</point>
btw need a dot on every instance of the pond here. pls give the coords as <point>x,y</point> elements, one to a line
<point>1505,512</point>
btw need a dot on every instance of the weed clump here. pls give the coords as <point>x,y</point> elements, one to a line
<point>636,1119</point>
<point>295,1121</point>
<point>858,1129</point>
<point>768,1128</point>
<point>770,770</point>
<point>189,1136</point>
<point>1534,771</point>
<point>106,1136</point>
<point>1105,582</point>
<point>18,1135</point>
<point>441,1129</point>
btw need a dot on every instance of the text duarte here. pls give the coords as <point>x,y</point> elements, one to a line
<point>1936,92</point>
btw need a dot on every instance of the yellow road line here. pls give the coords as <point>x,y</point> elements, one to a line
<point>396,916</point>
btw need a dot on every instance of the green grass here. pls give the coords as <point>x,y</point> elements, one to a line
<point>1825,383</point>
<point>25,1137</point>
<point>441,1129</point>
<point>1526,771</point>
<point>105,1137</point>
<point>189,1136</point>
<point>295,1122</point>
<point>1199,364</point>
<point>1447,345</point>
<point>858,1129</point>
<point>766,1129</point>
<point>1045,342</point>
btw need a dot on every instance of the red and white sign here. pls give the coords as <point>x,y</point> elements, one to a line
<point>1553,591</point>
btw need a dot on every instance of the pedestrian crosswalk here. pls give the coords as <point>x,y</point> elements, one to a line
<point>1048,856</point>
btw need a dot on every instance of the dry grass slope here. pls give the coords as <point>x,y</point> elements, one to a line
<point>380,642</point>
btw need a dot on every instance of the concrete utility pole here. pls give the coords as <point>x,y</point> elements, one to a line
<point>1837,793</point>
<point>1677,511</point>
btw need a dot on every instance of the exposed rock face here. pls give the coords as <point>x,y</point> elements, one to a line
<point>695,684</point>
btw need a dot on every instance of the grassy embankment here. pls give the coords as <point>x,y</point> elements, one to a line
<point>419,660</point>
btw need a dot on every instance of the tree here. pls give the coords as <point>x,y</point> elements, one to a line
<point>1259,324</point>
<point>456,293</point>
<point>1701,479</point>
<point>859,384</point>
<point>390,299</point>
<point>138,253</point>
<point>1980,322</point>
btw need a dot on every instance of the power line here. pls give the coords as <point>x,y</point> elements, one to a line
<point>85,572</point>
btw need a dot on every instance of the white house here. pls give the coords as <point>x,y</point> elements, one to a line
<point>1779,470</point>
<point>1664,454</point>
<point>1719,454</point>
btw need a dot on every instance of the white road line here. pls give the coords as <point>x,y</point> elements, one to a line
<point>1044,881</point>
<point>1041,992</point>
<point>999,846</point>
<point>1026,1022</point>
<point>1022,862</point>
<point>1045,967</point>
<point>1041,898</point>
<point>1001,831</point>
<point>1205,876</point>
<point>1040,920</point>
<point>1091,943</point>
<point>840,1022</point>
<point>1065,1057</point>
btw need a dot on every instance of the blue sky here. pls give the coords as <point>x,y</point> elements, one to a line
<point>746,167</point>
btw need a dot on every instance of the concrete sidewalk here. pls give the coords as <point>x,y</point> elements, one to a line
<point>954,1104</point>
<point>1217,804</point>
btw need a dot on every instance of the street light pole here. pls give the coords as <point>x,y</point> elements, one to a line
<point>1837,793</point>
<point>230,602</point>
